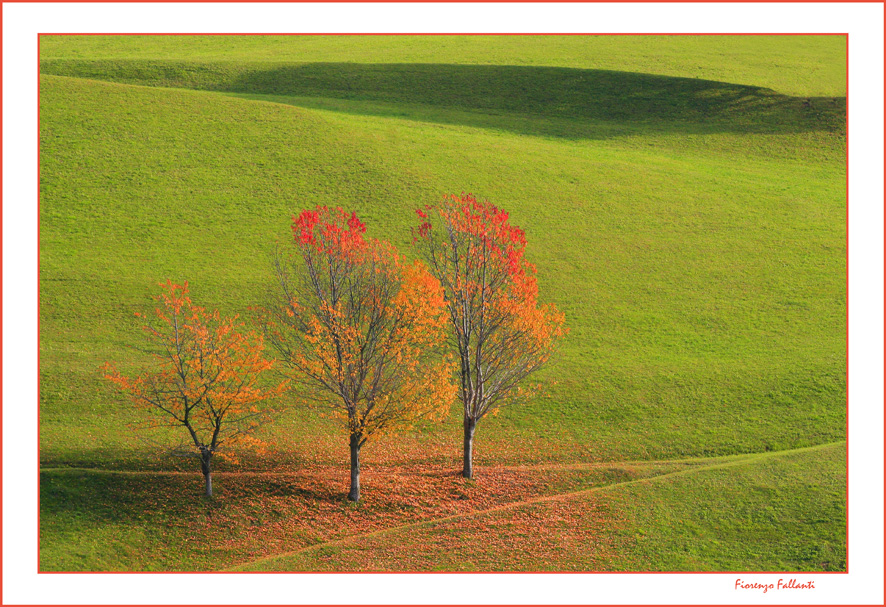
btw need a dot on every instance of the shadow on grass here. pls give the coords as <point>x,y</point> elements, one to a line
<point>126,497</point>
<point>563,102</point>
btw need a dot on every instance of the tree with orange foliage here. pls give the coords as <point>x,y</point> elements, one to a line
<point>205,377</point>
<point>357,327</point>
<point>499,331</point>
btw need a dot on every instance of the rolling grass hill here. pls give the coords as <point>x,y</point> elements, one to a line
<point>684,200</point>
<point>792,65</point>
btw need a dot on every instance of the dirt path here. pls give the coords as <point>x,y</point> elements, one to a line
<point>528,467</point>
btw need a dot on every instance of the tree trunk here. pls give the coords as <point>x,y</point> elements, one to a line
<point>354,494</point>
<point>206,466</point>
<point>468,470</point>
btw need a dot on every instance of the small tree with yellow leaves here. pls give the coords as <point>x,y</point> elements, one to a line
<point>204,378</point>
<point>358,328</point>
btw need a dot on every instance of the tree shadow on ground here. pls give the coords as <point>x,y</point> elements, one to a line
<point>564,102</point>
<point>127,497</point>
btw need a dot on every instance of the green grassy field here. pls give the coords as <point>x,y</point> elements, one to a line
<point>684,200</point>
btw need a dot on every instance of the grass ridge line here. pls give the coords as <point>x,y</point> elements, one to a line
<point>734,461</point>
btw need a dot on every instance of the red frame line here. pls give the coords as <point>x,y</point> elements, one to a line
<point>1,306</point>
<point>455,34</point>
<point>360,34</point>
<point>444,2</point>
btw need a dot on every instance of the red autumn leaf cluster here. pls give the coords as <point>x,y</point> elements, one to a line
<point>329,231</point>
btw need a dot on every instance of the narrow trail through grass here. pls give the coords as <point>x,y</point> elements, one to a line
<point>723,462</point>
<point>572,466</point>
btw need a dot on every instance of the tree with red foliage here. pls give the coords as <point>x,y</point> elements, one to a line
<point>205,377</point>
<point>499,331</point>
<point>358,328</point>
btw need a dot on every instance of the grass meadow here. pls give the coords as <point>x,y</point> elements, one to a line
<point>684,198</point>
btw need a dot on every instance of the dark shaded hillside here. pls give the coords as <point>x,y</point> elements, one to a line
<point>665,103</point>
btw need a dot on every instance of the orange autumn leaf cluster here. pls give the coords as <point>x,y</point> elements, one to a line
<point>205,374</point>
<point>492,296</point>
<point>358,325</point>
<point>493,271</point>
